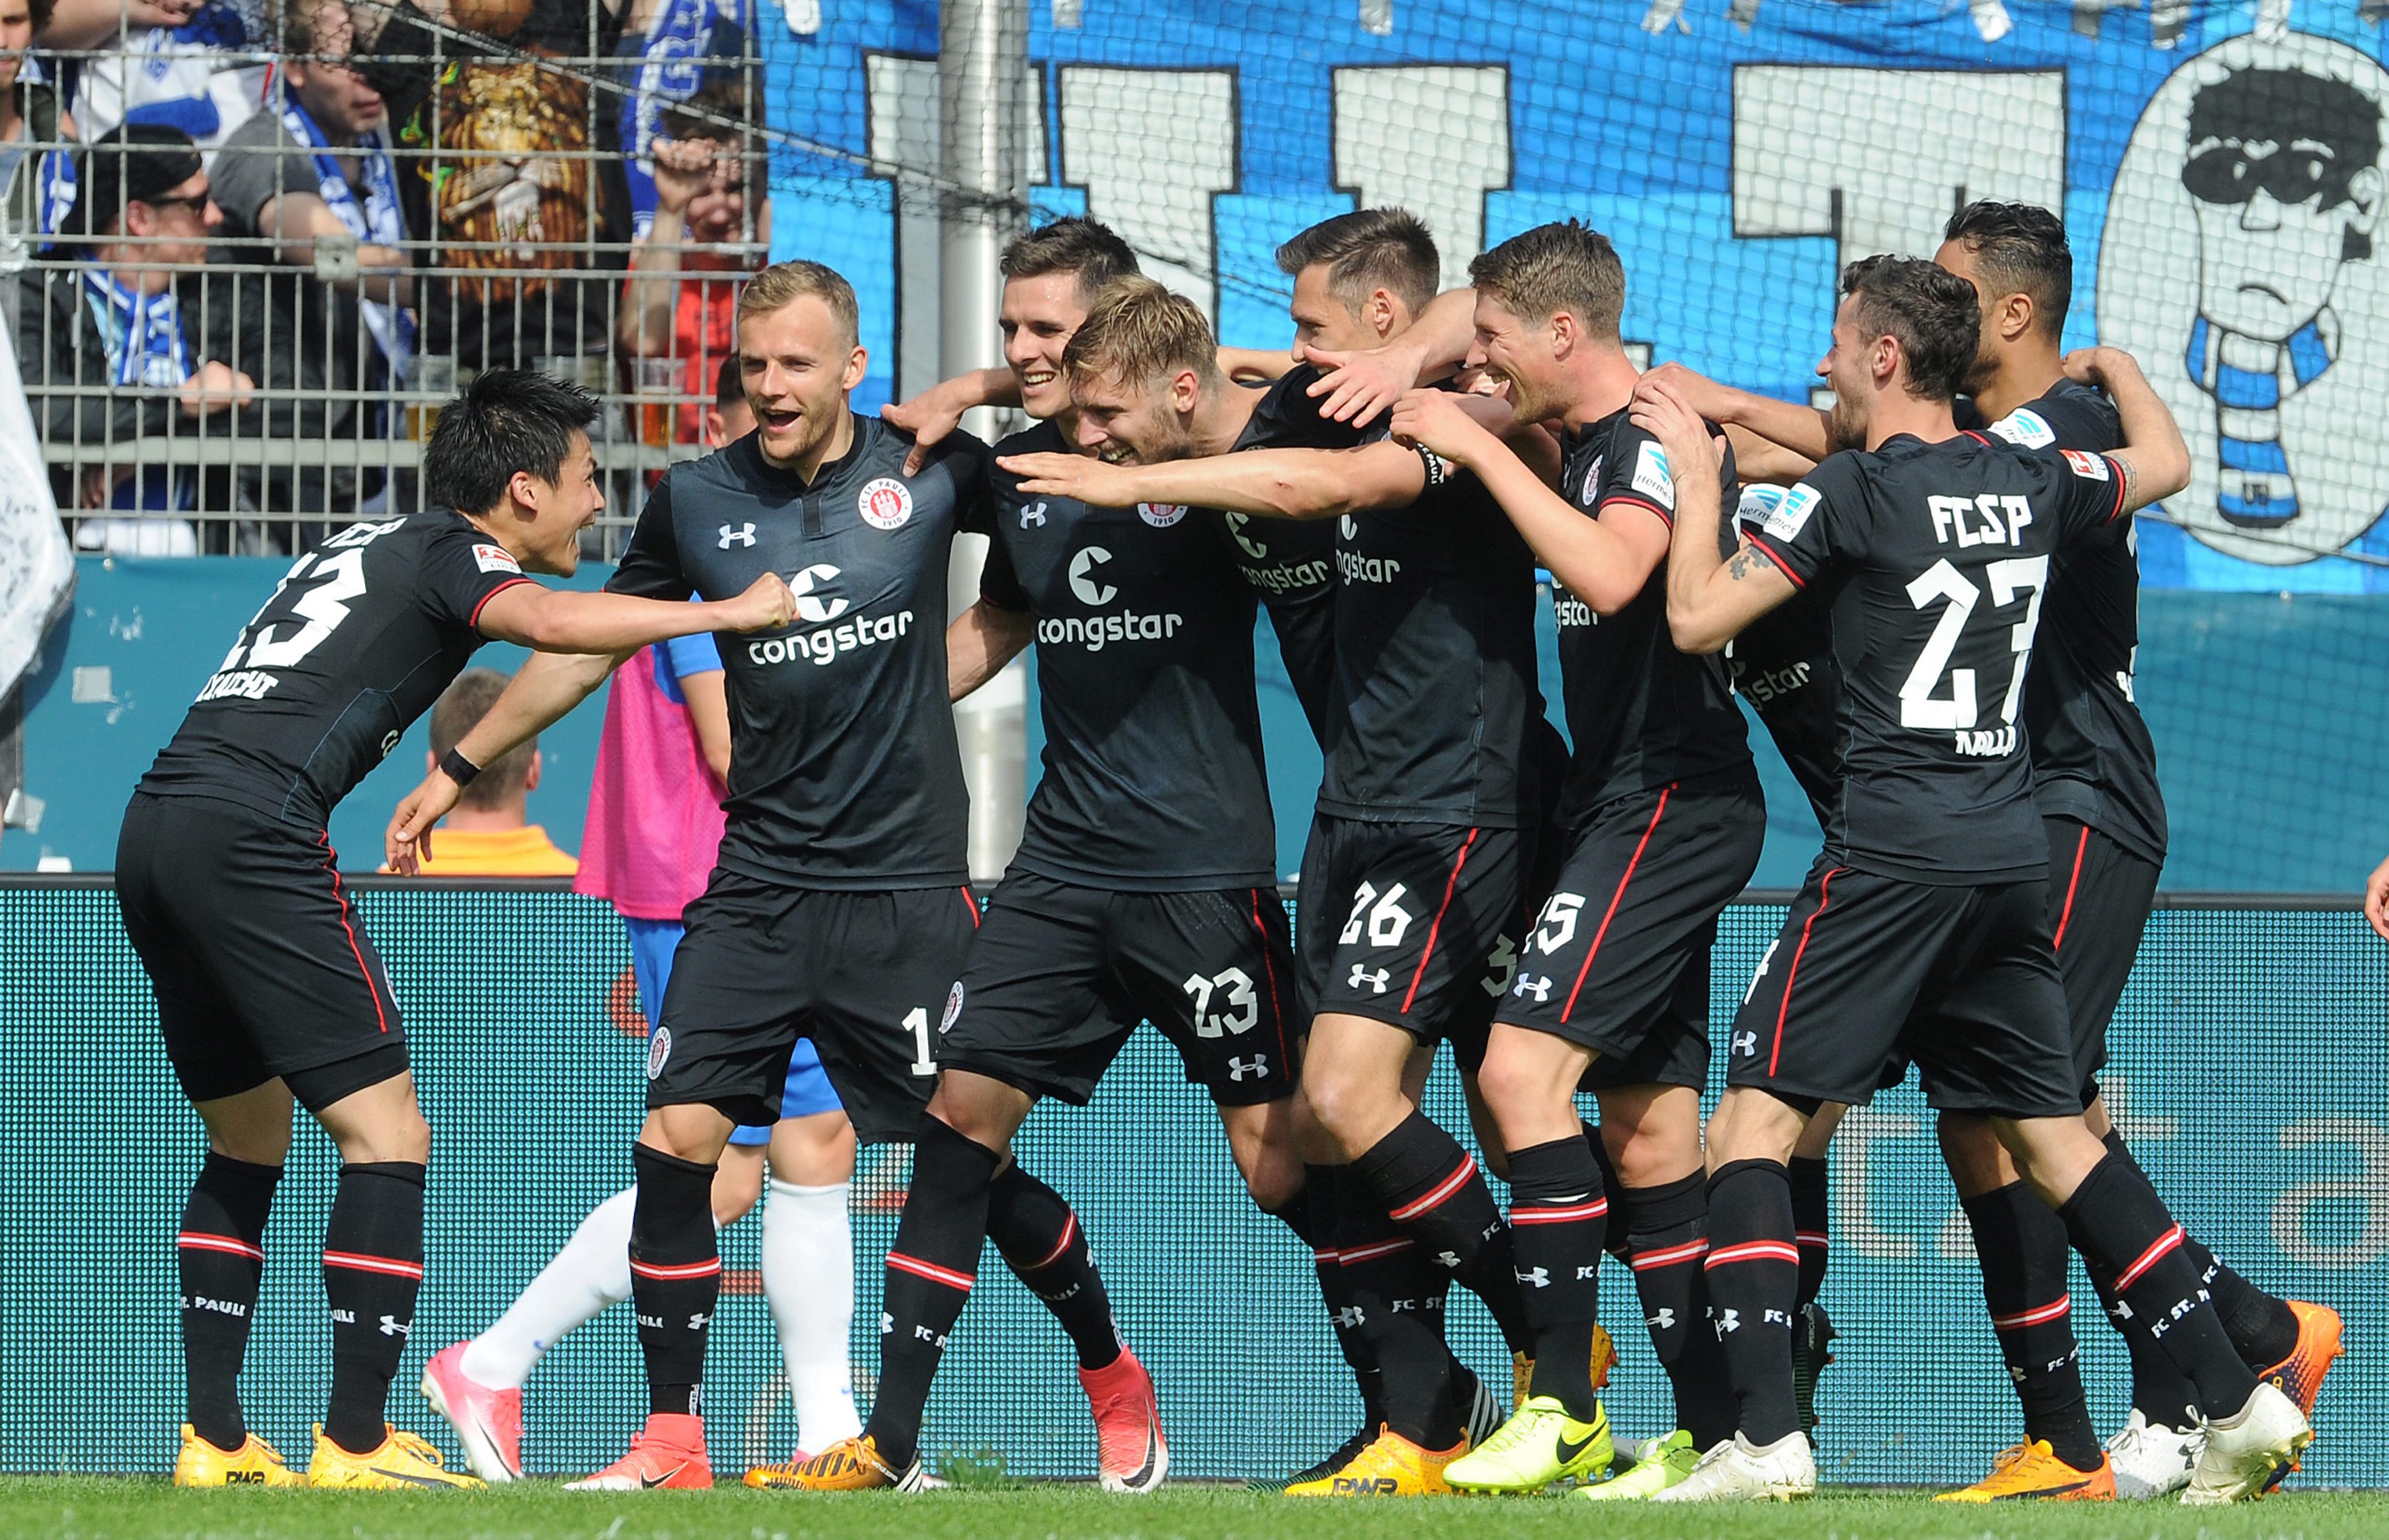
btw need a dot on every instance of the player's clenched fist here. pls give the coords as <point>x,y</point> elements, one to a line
<point>766,603</point>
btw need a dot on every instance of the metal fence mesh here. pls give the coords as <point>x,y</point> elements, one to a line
<point>2243,1056</point>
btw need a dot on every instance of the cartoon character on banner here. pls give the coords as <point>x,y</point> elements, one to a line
<point>2239,265</point>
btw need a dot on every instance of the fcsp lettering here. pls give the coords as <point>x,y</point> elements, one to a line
<point>1989,520</point>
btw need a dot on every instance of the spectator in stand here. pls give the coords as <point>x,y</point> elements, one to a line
<point>102,343</point>
<point>681,300</point>
<point>655,819</point>
<point>31,178</point>
<point>669,50</point>
<point>196,65</point>
<point>316,166</point>
<point>489,833</point>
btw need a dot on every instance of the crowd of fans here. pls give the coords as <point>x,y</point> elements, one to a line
<point>305,222</point>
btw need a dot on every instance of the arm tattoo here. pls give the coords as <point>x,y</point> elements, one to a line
<point>1742,564</point>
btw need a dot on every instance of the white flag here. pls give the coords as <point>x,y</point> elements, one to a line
<point>36,564</point>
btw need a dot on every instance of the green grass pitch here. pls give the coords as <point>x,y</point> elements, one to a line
<point>106,1507</point>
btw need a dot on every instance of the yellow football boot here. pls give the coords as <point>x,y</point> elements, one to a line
<point>849,1465</point>
<point>2033,1472</point>
<point>402,1462</point>
<point>1391,1467</point>
<point>255,1463</point>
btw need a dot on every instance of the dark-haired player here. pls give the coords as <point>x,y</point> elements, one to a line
<point>1921,929</point>
<point>1416,857</point>
<point>268,990</point>
<point>2094,772</point>
<point>1663,819</point>
<point>839,908</point>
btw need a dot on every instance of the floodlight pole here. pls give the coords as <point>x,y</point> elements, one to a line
<point>983,119</point>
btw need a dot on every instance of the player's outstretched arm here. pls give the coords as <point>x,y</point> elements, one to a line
<point>1710,600</point>
<point>2376,900</point>
<point>2154,460</point>
<point>1796,435</point>
<point>1358,386</point>
<point>980,642</point>
<point>1606,565</point>
<point>559,620</point>
<point>1267,483</point>
<point>545,688</point>
<point>932,416</point>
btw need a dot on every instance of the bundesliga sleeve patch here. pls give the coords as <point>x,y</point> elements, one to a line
<point>1650,478</point>
<point>494,558</point>
<point>2025,426</point>
<point>1788,517</point>
<point>2088,466</point>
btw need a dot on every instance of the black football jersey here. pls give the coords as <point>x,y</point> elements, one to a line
<point>844,771</point>
<point>2092,757</point>
<point>1640,712</point>
<point>1934,561</point>
<point>357,640</point>
<point>1290,562</point>
<point>1153,772</point>
<point>1782,664</point>
<point>1434,674</point>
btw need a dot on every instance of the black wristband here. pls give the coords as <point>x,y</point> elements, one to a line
<point>456,767</point>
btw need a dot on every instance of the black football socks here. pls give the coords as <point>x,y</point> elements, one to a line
<point>930,1270</point>
<point>220,1254</point>
<point>2025,1255</point>
<point>2263,1329</point>
<point>372,1270</point>
<point>1812,1222</point>
<point>1559,1219</point>
<point>1041,1242</point>
<point>1666,1230</point>
<point>1434,1190</point>
<point>1754,1275</point>
<point>675,1276</point>
<point>1396,1304</point>
<point>2120,1225</point>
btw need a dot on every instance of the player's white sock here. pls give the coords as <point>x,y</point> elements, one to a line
<point>592,1272</point>
<point>808,1278</point>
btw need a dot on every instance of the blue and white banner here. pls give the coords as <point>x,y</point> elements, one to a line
<point>2220,165</point>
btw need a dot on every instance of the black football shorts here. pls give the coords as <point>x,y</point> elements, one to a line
<point>1617,960</point>
<point>261,966</point>
<point>1060,974</point>
<point>2100,898</point>
<point>1401,923</point>
<point>866,974</point>
<point>1961,980</point>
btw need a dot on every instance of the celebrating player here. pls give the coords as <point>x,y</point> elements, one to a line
<point>840,908</point>
<point>268,990</point>
<point>2094,772</point>
<point>1921,928</point>
<point>1663,821</point>
<point>655,824</point>
<point>1434,603</point>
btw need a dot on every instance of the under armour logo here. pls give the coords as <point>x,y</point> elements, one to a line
<point>1033,514</point>
<point>1539,1277</point>
<point>697,1322</point>
<point>1361,975</point>
<point>393,1327</point>
<point>743,535</point>
<point>887,1323</point>
<point>1528,985</point>
<point>1746,1044</point>
<point>1727,1320</point>
<point>1257,1066</point>
<point>1350,1317</point>
<point>1664,1321</point>
<point>1448,1259</point>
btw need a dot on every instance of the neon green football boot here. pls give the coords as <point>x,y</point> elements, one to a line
<point>1540,1445</point>
<point>1659,1463</point>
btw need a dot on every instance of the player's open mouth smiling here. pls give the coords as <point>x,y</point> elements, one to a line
<point>1115,453</point>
